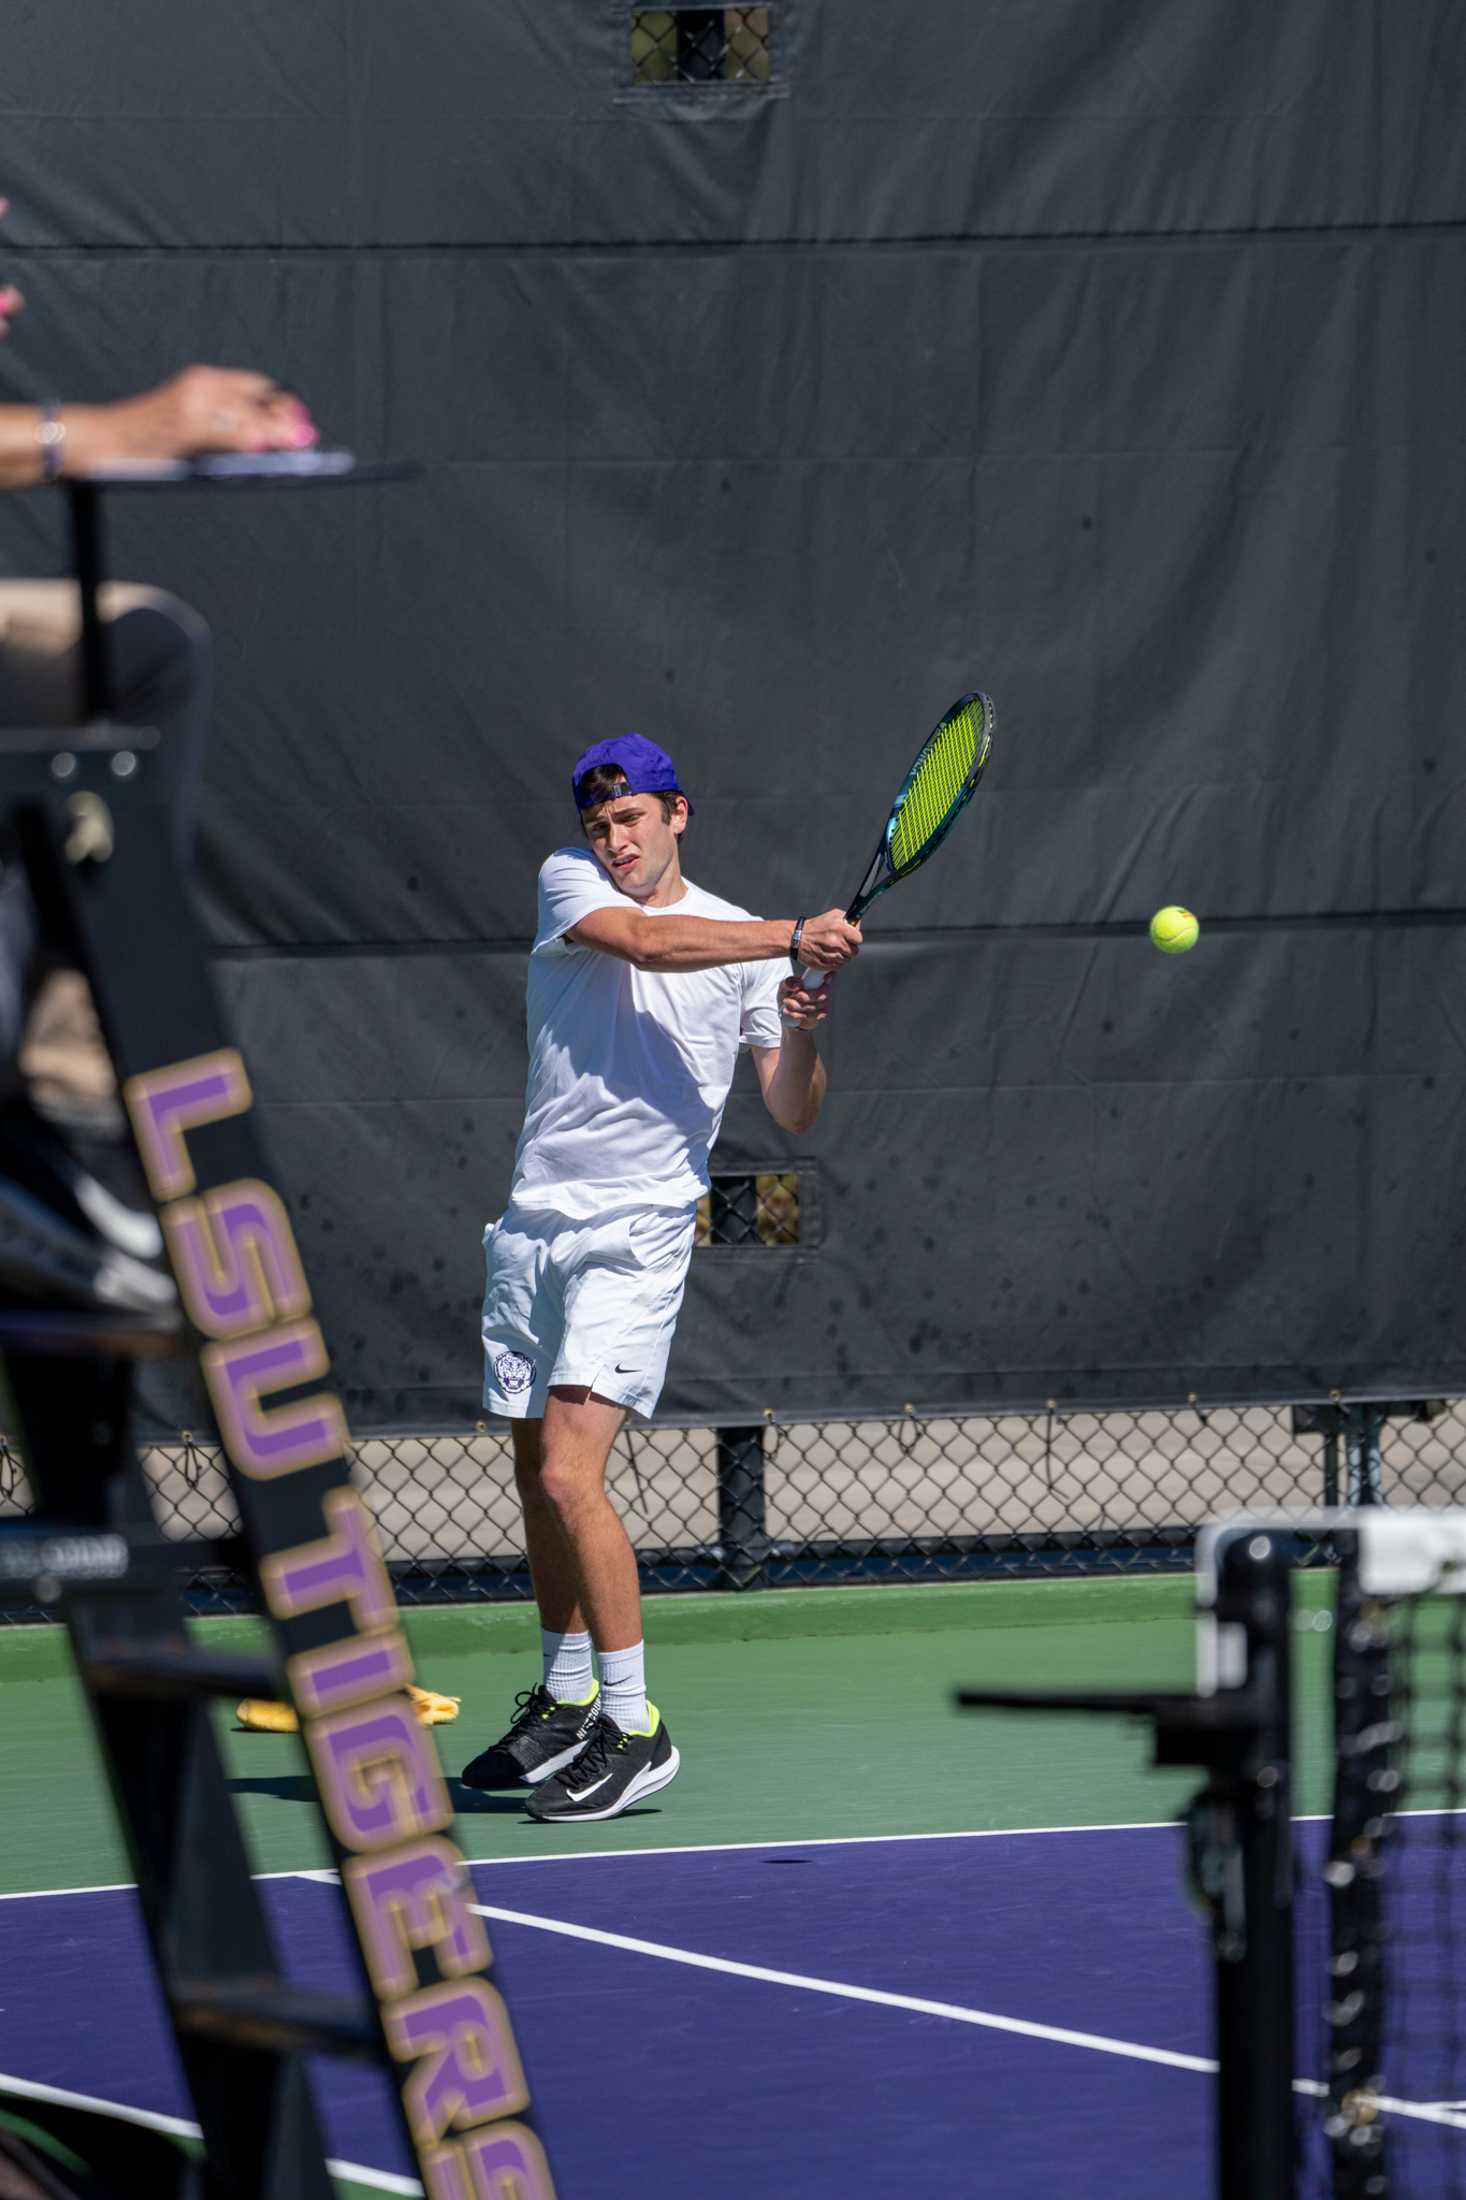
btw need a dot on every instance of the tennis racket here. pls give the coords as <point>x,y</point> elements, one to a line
<point>932,797</point>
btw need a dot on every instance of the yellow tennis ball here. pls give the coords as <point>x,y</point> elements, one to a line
<point>1174,930</point>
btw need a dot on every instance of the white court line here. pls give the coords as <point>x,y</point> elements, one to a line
<point>825,1841</point>
<point>821,1841</point>
<point>875,1840</point>
<point>1059,2035</point>
<point>987,2018</point>
<point>129,1886</point>
<point>29,2089</point>
<point>1441,2113</point>
<point>730,1848</point>
<point>690,1848</point>
<point>1423,2112</point>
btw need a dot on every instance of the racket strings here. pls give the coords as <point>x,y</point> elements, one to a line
<point>939,783</point>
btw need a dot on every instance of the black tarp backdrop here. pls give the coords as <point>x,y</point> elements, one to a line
<point>1106,353</point>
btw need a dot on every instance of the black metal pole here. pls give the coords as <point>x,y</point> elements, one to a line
<point>170,1787</point>
<point>701,43</point>
<point>1253,1916</point>
<point>86,543</point>
<point>1371,1459</point>
<point>743,1541</point>
<point>1362,1426</point>
<point>1367,1747</point>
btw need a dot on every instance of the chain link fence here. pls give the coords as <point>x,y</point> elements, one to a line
<point>912,1498</point>
<point>702,46</point>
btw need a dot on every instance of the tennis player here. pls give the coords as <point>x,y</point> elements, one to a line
<point>642,988</point>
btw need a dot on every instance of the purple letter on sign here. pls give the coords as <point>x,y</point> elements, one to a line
<point>166,1103</point>
<point>469,2068</point>
<point>415,1898</point>
<point>235,1258</point>
<point>501,2162</point>
<point>348,1672</point>
<point>378,1775</point>
<point>269,1444</point>
<point>345,1567</point>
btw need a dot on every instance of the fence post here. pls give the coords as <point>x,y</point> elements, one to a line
<point>701,44</point>
<point>1331,1461</point>
<point>743,1543</point>
<point>1362,1425</point>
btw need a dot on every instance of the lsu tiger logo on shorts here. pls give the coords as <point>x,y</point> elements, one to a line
<point>513,1373</point>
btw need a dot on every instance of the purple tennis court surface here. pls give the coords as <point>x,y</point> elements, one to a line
<point>654,2073</point>
<point>1018,2013</point>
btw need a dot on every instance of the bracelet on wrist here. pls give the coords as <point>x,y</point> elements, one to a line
<point>794,939</point>
<point>51,435</point>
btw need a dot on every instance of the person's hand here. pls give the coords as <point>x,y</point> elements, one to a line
<point>801,1008</point>
<point>201,409</point>
<point>828,941</point>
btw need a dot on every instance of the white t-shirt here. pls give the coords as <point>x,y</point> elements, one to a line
<point>628,1069</point>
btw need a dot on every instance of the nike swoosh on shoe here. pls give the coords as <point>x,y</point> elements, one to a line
<point>585,1793</point>
<point>130,1229</point>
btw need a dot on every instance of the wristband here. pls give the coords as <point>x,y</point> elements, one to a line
<point>794,938</point>
<point>51,435</point>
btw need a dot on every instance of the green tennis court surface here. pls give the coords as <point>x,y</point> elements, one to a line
<point>802,1715</point>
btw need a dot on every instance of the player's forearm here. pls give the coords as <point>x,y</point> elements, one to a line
<point>796,1091</point>
<point>89,435</point>
<point>707,943</point>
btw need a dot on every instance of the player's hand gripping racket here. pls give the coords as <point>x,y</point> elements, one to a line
<point>933,795</point>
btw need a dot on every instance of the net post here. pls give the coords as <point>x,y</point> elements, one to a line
<point>1367,1743</point>
<point>1248,1803</point>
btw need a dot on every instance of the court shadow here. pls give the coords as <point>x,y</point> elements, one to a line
<point>473,1803</point>
<point>289,1787</point>
<point>296,1787</point>
<point>644,1810</point>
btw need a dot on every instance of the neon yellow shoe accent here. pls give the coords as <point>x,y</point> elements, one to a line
<point>578,1701</point>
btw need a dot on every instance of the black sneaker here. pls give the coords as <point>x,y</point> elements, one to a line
<point>612,1772</point>
<point>544,1738</point>
<point>66,1237</point>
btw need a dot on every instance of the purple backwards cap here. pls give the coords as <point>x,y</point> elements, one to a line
<point>648,769</point>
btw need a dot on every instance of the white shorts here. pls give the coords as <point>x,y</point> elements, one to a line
<point>591,1303</point>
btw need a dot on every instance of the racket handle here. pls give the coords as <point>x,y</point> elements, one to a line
<point>812,980</point>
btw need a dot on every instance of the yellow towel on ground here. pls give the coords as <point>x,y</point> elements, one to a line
<point>258,1716</point>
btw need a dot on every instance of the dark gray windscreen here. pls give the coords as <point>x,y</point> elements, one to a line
<point>1105,356</point>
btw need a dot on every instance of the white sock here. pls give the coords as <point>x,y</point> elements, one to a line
<point>623,1688</point>
<point>569,1674</point>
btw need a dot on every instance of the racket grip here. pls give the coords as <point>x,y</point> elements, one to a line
<point>812,980</point>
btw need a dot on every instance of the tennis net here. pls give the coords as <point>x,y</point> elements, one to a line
<point>1368,1912</point>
